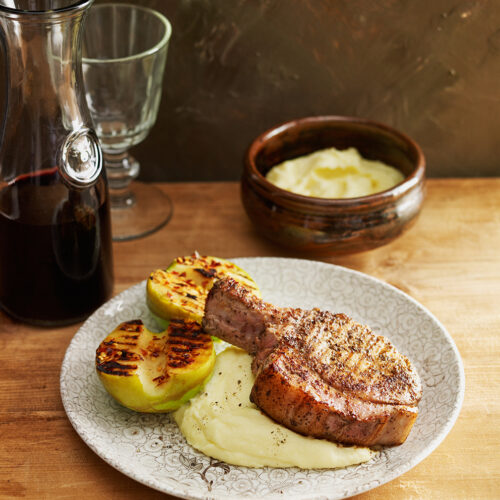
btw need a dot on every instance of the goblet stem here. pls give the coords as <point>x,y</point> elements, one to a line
<point>137,209</point>
<point>121,169</point>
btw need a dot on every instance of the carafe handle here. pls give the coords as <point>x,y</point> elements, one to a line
<point>80,158</point>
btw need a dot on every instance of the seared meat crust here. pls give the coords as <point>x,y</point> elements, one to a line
<point>318,373</point>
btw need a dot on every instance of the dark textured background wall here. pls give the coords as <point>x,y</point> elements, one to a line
<point>237,67</point>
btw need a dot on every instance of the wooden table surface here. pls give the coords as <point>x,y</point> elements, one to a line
<point>449,261</point>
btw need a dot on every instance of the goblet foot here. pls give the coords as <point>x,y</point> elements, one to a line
<point>146,209</point>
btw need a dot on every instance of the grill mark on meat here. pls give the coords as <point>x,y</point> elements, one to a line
<point>350,356</point>
<point>318,373</point>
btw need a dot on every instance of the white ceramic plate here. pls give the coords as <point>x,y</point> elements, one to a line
<point>150,449</point>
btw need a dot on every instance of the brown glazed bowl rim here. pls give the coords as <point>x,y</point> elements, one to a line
<point>396,192</point>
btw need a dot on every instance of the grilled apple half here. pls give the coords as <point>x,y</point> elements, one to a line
<point>180,290</point>
<point>155,372</point>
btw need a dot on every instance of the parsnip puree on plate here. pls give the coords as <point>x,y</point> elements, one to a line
<point>222,423</point>
<point>331,173</point>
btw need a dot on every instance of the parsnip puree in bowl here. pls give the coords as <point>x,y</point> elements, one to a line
<point>331,173</point>
<point>222,423</point>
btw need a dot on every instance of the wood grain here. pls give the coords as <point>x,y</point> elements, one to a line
<point>449,261</point>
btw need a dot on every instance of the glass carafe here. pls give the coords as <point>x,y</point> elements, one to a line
<point>55,236</point>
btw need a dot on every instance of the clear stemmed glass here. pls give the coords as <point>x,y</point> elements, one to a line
<point>124,54</point>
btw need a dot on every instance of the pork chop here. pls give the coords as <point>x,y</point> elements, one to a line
<point>318,373</point>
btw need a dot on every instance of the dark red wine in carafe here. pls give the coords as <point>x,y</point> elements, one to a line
<point>55,249</point>
<point>55,241</point>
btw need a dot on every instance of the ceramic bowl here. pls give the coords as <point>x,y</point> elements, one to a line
<point>332,226</point>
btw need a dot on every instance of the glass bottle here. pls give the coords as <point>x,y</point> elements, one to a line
<point>55,236</point>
